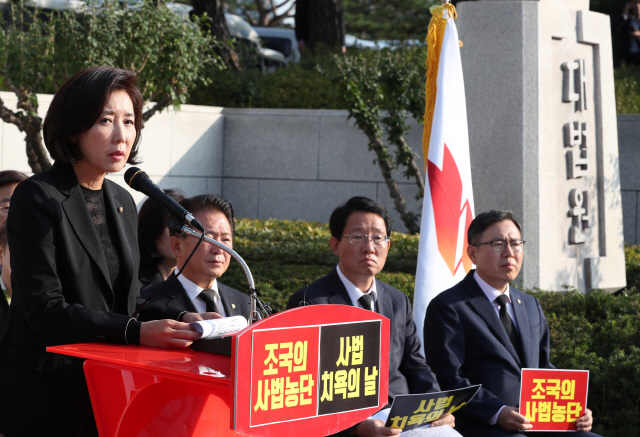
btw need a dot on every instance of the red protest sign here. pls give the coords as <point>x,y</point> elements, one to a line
<point>553,399</point>
<point>284,374</point>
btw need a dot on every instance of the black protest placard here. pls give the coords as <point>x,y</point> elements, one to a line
<point>412,411</point>
<point>349,367</point>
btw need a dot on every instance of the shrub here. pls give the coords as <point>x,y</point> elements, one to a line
<point>627,85</point>
<point>632,258</point>
<point>600,332</point>
<point>300,86</point>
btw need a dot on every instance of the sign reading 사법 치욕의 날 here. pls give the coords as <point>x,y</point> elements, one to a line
<point>314,370</point>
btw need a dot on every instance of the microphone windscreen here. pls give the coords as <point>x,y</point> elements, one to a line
<point>130,176</point>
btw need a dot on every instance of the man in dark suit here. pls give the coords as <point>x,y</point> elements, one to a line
<point>482,331</point>
<point>197,288</point>
<point>360,232</point>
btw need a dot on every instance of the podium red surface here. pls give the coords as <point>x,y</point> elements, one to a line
<point>272,384</point>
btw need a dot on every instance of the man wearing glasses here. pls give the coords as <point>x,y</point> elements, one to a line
<point>360,232</point>
<point>483,331</point>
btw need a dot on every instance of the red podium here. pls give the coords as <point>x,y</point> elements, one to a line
<point>309,371</point>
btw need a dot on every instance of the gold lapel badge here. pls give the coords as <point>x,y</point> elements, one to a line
<point>519,301</point>
<point>120,209</point>
<point>233,305</point>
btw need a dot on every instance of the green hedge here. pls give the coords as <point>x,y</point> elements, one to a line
<point>307,86</point>
<point>299,86</point>
<point>627,85</point>
<point>599,332</point>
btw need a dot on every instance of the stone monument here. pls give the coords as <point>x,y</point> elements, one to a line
<point>542,133</point>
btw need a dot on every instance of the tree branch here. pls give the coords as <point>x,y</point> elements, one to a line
<point>8,116</point>
<point>279,18</point>
<point>245,12</point>
<point>159,106</point>
<point>412,165</point>
<point>386,166</point>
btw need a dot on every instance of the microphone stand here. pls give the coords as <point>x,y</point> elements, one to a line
<point>258,309</point>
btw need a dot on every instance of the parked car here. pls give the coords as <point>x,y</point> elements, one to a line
<point>244,33</point>
<point>238,28</point>
<point>280,39</point>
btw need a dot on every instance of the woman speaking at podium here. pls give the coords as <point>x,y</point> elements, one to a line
<point>75,259</point>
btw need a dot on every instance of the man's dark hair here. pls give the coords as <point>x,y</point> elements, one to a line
<point>152,219</point>
<point>209,203</point>
<point>8,177</point>
<point>486,219</point>
<point>77,106</point>
<point>3,235</point>
<point>341,214</point>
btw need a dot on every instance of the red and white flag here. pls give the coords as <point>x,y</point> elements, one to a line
<point>447,207</point>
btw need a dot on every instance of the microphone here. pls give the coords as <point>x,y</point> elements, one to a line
<point>140,181</point>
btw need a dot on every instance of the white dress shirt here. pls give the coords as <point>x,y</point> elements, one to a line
<point>492,294</point>
<point>355,293</point>
<point>194,290</point>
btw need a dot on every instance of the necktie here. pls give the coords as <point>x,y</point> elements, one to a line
<point>366,302</point>
<point>508,323</point>
<point>209,296</point>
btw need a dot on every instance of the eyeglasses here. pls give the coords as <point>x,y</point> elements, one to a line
<point>500,245</point>
<point>358,239</point>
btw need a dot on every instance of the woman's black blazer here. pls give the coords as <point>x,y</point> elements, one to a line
<point>61,288</point>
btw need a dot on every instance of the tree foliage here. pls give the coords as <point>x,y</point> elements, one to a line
<point>263,13</point>
<point>381,88</point>
<point>39,52</point>
<point>300,85</point>
<point>388,19</point>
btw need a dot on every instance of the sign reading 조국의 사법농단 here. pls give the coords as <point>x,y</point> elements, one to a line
<point>416,410</point>
<point>314,370</point>
<point>553,399</point>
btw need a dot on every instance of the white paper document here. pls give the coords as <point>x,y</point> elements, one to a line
<point>220,327</point>
<point>437,431</point>
<point>382,414</point>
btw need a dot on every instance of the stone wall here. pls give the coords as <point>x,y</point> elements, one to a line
<point>269,163</point>
<point>290,164</point>
<point>629,150</point>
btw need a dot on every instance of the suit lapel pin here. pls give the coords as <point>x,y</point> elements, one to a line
<point>120,209</point>
<point>233,305</point>
<point>519,301</point>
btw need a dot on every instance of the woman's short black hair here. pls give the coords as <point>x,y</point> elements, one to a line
<point>340,215</point>
<point>78,104</point>
<point>152,219</point>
